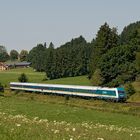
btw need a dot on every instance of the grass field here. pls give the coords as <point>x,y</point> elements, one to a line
<point>12,75</point>
<point>51,117</point>
<point>41,117</point>
<point>37,77</point>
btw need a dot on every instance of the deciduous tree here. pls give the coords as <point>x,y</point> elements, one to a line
<point>3,54</point>
<point>13,55</point>
<point>23,55</point>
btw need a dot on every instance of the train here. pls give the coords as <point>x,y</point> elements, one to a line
<point>112,94</point>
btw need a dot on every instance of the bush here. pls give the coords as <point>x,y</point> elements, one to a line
<point>129,89</point>
<point>23,78</point>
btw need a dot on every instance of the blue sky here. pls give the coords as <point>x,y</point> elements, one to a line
<point>24,23</point>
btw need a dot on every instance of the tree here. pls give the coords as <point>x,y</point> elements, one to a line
<point>45,44</point>
<point>37,57</point>
<point>117,65</point>
<point>51,45</point>
<point>131,34</point>
<point>96,78</point>
<point>23,55</point>
<point>106,39</point>
<point>70,59</point>
<point>3,54</point>
<point>14,55</point>
<point>22,78</point>
<point>138,62</point>
<point>130,90</point>
<point>50,62</point>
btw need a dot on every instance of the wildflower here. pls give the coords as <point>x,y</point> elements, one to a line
<point>35,118</point>
<point>131,135</point>
<point>73,129</point>
<point>12,129</point>
<point>18,125</point>
<point>100,138</point>
<point>67,129</point>
<point>56,131</point>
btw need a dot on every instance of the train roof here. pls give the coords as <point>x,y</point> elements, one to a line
<point>64,86</point>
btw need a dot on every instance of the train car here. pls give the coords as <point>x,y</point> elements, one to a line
<point>115,94</point>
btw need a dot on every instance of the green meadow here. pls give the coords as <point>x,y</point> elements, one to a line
<point>39,77</point>
<point>29,116</point>
<point>34,116</point>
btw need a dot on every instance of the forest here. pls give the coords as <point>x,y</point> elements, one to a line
<point>110,59</point>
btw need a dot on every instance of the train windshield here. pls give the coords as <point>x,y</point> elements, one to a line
<point>121,92</point>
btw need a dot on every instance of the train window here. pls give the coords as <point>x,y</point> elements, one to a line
<point>104,92</point>
<point>121,92</point>
<point>15,85</point>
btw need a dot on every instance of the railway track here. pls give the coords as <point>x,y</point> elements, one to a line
<point>133,103</point>
<point>126,103</point>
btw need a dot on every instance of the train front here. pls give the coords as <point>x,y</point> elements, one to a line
<point>121,94</point>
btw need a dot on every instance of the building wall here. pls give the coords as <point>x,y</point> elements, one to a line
<point>2,67</point>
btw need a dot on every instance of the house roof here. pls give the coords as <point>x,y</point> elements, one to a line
<point>24,63</point>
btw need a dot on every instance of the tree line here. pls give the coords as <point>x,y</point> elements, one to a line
<point>110,59</point>
<point>13,55</point>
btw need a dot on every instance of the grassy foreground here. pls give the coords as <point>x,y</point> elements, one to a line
<point>33,117</point>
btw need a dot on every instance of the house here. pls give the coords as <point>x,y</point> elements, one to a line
<point>19,64</point>
<point>3,66</point>
<point>7,66</point>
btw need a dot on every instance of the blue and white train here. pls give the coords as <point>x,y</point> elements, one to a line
<point>115,94</point>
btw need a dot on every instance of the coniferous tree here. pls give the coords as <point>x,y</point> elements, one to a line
<point>23,78</point>
<point>137,62</point>
<point>106,39</point>
<point>117,66</point>
<point>113,64</point>
<point>37,57</point>
<point>71,59</point>
<point>50,62</point>
<point>131,34</point>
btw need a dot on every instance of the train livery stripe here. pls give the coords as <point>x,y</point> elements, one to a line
<point>117,94</point>
<point>66,93</point>
<point>89,91</point>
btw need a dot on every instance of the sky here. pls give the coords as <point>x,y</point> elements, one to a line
<point>26,23</point>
